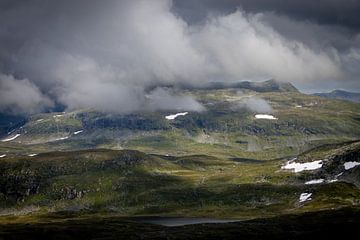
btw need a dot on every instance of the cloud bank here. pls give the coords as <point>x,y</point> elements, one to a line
<point>330,12</point>
<point>255,104</point>
<point>104,55</point>
<point>21,96</point>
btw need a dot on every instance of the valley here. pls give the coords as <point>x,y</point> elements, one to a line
<point>300,156</point>
<point>179,119</point>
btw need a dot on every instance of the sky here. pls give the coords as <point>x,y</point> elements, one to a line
<point>105,54</point>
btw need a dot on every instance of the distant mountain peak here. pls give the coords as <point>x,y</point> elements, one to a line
<point>264,86</point>
<point>276,86</point>
<point>341,95</point>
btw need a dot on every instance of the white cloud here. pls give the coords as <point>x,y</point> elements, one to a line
<point>244,46</point>
<point>164,100</point>
<point>104,55</point>
<point>255,104</point>
<point>21,96</point>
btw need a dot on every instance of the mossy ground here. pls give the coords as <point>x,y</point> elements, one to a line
<point>133,183</point>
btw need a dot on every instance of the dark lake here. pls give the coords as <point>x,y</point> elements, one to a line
<point>180,221</point>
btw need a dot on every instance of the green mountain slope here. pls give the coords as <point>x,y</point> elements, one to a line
<point>133,183</point>
<point>224,161</point>
<point>227,127</point>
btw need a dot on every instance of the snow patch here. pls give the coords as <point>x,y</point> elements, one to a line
<point>318,181</point>
<point>4,155</point>
<point>77,132</point>
<point>299,167</point>
<point>339,174</point>
<point>10,138</point>
<point>350,165</point>
<point>315,181</point>
<point>305,197</point>
<point>265,116</point>
<point>11,132</point>
<point>298,106</point>
<point>62,138</point>
<point>32,154</point>
<point>40,120</point>
<point>172,117</point>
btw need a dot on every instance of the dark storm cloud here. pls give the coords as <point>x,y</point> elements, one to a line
<point>334,12</point>
<point>105,54</point>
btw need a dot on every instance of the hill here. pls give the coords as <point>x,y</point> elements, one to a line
<point>341,95</point>
<point>264,86</point>
<point>229,127</point>
<point>255,152</point>
<point>132,183</point>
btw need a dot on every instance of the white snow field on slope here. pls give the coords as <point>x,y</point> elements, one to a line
<point>11,138</point>
<point>299,167</point>
<point>77,132</point>
<point>4,155</point>
<point>172,117</point>
<point>265,116</point>
<point>318,181</point>
<point>350,165</point>
<point>305,197</point>
<point>315,181</point>
<point>59,115</point>
<point>62,138</point>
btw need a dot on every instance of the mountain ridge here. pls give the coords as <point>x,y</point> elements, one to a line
<point>341,95</point>
<point>270,85</point>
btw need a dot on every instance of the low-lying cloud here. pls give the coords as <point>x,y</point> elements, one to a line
<point>160,99</point>
<point>254,104</point>
<point>104,55</point>
<point>21,96</point>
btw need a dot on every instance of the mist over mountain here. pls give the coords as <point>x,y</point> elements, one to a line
<point>87,54</point>
<point>179,119</point>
